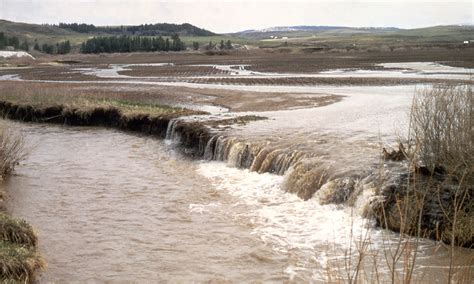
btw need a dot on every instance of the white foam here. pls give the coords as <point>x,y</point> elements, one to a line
<point>286,223</point>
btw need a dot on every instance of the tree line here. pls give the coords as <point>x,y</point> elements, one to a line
<point>138,30</point>
<point>88,28</point>
<point>13,42</point>
<point>109,44</point>
<point>63,47</point>
<point>223,45</point>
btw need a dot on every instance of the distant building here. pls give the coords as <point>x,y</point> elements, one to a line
<point>285,37</point>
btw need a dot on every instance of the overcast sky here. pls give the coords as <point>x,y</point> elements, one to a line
<point>237,15</point>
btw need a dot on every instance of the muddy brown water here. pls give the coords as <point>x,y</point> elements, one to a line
<point>111,206</point>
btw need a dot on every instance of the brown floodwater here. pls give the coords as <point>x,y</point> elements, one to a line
<point>112,206</point>
<point>109,206</point>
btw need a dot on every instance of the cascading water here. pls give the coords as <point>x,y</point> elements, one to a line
<point>238,219</point>
<point>304,175</point>
<point>170,133</point>
<point>259,157</point>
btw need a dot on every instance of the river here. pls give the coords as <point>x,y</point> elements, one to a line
<point>113,206</point>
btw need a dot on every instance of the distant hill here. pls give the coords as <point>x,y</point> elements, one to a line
<point>162,29</point>
<point>437,33</point>
<point>305,31</point>
<point>77,33</point>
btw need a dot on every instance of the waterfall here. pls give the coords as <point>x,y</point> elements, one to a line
<point>170,129</point>
<point>255,156</point>
<point>305,175</point>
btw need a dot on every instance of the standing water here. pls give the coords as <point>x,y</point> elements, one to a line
<point>110,206</point>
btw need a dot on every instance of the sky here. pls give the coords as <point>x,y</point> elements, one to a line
<point>236,15</point>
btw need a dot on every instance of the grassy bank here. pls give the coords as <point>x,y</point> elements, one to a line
<point>61,104</point>
<point>40,95</point>
<point>19,258</point>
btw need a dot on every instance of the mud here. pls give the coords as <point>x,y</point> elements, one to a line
<point>107,117</point>
<point>416,199</point>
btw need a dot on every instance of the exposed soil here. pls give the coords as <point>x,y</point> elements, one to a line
<point>237,101</point>
<point>174,70</point>
<point>293,61</point>
<point>304,81</point>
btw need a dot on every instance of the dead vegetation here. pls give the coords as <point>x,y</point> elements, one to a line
<point>39,95</point>
<point>19,260</point>
<point>11,150</point>
<point>434,197</point>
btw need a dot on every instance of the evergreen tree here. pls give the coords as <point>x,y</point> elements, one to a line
<point>196,45</point>
<point>147,44</point>
<point>67,46</point>
<point>64,47</point>
<point>160,43</point>
<point>14,41</point>
<point>222,46</point>
<point>126,44</point>
<point>25,46</point>
<point>37,47</point>
<point>3,41</point>
<point>210,46</point>
<point>177,44</point>
<point>48,48</point>
<point>228,44</point>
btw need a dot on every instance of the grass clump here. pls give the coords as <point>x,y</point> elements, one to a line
<point>11,150</point>
<point>41,96</point>
<point>17,231</point>
<point>18,263</point>
<point>19,259</point>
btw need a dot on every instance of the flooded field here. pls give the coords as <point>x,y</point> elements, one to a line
<point>111,206</point>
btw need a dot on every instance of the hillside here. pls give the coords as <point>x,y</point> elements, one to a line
<point>163,29</point>
<point>42,33</point>
<point>307,31</point>
<point>336,33</point>
<point>317,38</point>
<point>77,33</point>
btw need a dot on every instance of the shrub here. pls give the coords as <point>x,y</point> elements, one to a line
<point>442,128</point>
<point>11,150</point>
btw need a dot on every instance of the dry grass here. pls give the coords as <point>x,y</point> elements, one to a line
<point>442,130</point>
<point>17,231</point>
<point>11,150</point>
<point>19,260</point>
<point>434,197</point>
<point>19,263</point>
<point>42,95</point>
<point>442,125</point>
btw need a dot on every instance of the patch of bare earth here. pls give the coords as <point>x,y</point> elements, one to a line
<point>47,93</point>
